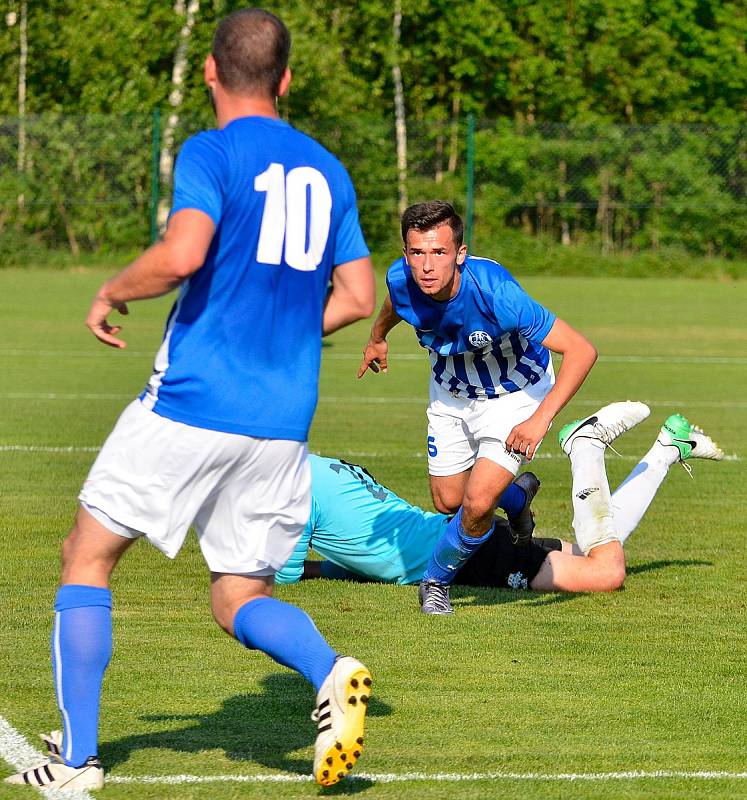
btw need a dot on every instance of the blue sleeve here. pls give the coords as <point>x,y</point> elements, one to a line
<point>349,242</point>
<point>396,283</point>
<point>293,569</point>
<point>198,178</point>
<point>516,310</point>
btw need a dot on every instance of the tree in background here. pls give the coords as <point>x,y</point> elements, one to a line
<point>518,63</point>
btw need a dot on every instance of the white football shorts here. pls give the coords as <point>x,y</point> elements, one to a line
<point>461,430</point>
<point>249,499</point>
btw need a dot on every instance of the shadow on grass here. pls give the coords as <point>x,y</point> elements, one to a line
<point>653,566</point>
<point>477,596</point>
<point>261,728</point>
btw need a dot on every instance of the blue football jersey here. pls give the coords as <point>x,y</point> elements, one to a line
<point>242,345</point>
<point>363,527</point>
<point>486,340</point>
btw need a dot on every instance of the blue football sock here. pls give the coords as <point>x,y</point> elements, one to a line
<point>452,550</point>
<point>512,500</point>
<point>287,634</point>
<point>81,650</point>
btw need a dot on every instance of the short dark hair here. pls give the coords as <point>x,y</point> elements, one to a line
<point>426,216</point>
<point>251,48</point>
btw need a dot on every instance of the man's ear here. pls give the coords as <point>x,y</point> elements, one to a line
<point>285,82</point>
<point>461,254</point>
<point>210,71</point>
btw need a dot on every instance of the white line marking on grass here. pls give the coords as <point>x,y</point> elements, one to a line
<point>538,457</point>
<point>92,353</point>
<point>30,448</point>
<point>63,396</point>
<point>15,749</point>
<point>439,777</point>
<point>423,401</point>
<point>388,400</point>
<point>612,359</point>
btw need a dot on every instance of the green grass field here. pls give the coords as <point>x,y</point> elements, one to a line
<point>648,679</point>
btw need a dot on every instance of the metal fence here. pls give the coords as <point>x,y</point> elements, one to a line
<point>95,183</point>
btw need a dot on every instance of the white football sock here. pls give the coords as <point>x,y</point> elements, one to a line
<point>592,517</point>
<point>634,495</point>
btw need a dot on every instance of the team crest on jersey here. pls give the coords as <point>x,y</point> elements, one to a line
<point>517,581</point>
<point>480,339</point>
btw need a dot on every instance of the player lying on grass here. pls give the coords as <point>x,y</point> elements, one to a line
<point>364,531</point>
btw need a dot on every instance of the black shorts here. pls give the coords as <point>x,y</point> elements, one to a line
<point>501,564</point>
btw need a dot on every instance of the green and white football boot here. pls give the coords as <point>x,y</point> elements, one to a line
<point>689,440</point>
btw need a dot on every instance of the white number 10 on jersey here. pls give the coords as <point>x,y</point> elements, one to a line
<point>284,219</point>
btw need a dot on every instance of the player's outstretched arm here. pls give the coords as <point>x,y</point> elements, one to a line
<point>376,350</point>
<point>579,355</point>
<point>161,268</point>
<point>353,295</point>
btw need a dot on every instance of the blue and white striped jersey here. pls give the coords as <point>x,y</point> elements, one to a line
<point>486,340</point>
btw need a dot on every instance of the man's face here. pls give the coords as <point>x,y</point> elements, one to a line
<point>433,259</point>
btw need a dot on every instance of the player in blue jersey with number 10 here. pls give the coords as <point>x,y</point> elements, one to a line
<point>493,393</point>
<point>263,218</point>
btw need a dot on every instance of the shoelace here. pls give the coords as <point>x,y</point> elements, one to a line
<point>437,596</point>
<point>608,433</point>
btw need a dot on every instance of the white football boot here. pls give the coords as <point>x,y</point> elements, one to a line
<point>340,712</point>
<point>54,774</point>
<point>605,425</point>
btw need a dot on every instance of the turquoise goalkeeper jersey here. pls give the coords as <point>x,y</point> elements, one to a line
<point>361,526</point>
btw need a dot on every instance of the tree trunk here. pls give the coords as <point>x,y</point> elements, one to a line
<point>23,51</point>
<point>69,232</point>
<point>399,111</point>
<point>454,142</point>
<point>166,166</point>
<point>565,231</point>
<point>603,211</point>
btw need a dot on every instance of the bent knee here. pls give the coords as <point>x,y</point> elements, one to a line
<point>617,578</point>
<point>444,507</point>
<point>224,619</point>
<point>612,579</point>
<point>446,501</point>
<point>478,509</point>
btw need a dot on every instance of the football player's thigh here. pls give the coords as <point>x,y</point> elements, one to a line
<point>451,449</point>
<point>252,522</point>
<point>451,454</point>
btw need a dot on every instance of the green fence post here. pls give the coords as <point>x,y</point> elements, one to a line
<point>470,178</point>
<point>155,172</point>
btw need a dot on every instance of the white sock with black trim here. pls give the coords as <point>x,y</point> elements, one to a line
<point>592,517</point>
<point>635,494</point>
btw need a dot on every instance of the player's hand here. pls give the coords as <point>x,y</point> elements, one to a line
<point>99,325</point>
<point>526,436</point>
<point>374,357</point>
